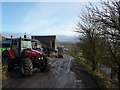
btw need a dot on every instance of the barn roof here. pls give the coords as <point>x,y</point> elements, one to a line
<point>45,38</point>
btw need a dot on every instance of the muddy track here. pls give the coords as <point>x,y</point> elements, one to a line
<point>59,76</point>
<point>87,79</point>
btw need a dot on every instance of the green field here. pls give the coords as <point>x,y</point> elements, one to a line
<point>2,49</point>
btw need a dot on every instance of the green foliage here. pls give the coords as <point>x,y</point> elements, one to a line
<point>5,75</point>
<point>92,52</point>
<point>53,54</point>
<point>103,81</point>
<point>80,63</point>
<point>74,51</point>
<point>2,49</point>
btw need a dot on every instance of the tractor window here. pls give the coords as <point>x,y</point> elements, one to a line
<point>26,45</point>
<point>14,42</point>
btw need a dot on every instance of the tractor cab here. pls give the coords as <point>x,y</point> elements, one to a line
<point>19,44</point>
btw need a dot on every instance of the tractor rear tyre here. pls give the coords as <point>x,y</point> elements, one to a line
<point>6,60</point>
<point>26,67</point>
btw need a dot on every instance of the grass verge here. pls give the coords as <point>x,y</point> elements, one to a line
<point>5,75</point>
<point>101,80</point>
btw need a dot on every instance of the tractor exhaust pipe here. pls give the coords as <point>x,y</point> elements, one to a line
<point>11,42</point>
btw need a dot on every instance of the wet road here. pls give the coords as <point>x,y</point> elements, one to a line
<point>59,76</point>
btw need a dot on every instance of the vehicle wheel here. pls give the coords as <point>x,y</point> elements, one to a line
<point>6,60</point>
<point>45,68</point>
<point>45,65</point>
<point>26,67</point>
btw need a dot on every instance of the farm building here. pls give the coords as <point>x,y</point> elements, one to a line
<point>2,38</point>
<point>47,41</point>
<point>4,42</point>
<point>36,43</point>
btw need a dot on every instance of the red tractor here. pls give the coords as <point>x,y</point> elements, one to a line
<point>22,55</point>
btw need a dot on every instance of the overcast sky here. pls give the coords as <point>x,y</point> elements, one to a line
<point>41,18</point>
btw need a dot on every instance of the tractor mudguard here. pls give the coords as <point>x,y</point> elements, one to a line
<point>11,53</point>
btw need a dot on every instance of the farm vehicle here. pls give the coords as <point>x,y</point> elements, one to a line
<point>22,55</point>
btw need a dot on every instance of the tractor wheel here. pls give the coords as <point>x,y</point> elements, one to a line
<point>45,65</point>
<point>26,67</point>
<point>6,60</point>
<point>45,68</point>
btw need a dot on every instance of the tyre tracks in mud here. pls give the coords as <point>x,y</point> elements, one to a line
<point>83,76</point>
<point>59,76</point>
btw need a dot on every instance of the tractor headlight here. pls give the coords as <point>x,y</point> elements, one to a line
<point>40,57</point>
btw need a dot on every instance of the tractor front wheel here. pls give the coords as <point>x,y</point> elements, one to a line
<point>45,65</point>
<point>26,67</point>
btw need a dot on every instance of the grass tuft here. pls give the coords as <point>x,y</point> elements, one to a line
<point>5,75</point>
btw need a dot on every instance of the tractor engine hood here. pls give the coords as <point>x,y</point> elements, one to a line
<point>32,52</point>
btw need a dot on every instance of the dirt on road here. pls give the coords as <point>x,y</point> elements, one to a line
<point>59,76</point>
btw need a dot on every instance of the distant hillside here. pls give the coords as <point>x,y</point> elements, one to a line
<point>66,39</point>
<point>60,38</point>
<point>64,43</point>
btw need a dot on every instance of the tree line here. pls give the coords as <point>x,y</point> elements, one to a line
<point>99,27</point>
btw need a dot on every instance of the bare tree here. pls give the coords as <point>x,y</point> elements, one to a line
<point>109,20</point>
<point>104,21</point>
<point>87,27</point>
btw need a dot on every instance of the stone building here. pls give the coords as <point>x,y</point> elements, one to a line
<point>47,41</point>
